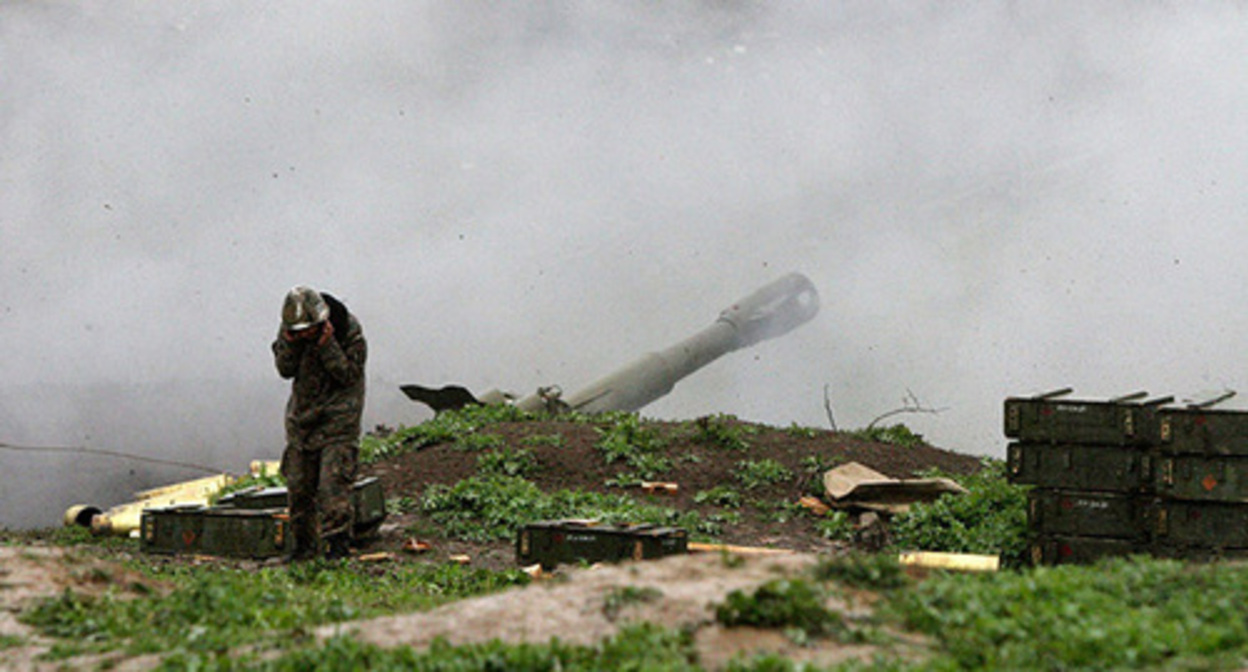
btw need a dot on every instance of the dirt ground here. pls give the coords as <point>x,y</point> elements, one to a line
<point>30,573</point>
<point>574,604</point>
<point>582,607</point>
<point>573,463</point>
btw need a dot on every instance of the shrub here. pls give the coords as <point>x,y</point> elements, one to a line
<point>898,435</point>
<point>990,518</point>
<point>835,525</point>
<point>862,570</point>
<point>797,431</point>
<point>759,473</point>
<point>627,437</point>
<point>721,431</point>
<point>720,495</point>
<point>620,598</point>
<point>507,462</point>
<point>793,604</point>
<point>478,442</point>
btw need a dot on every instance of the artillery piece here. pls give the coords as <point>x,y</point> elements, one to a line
<point>771,311</point>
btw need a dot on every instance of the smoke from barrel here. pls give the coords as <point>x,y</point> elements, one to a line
<point>771,311</point>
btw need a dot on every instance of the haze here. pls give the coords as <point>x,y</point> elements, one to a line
<point>993,199</point>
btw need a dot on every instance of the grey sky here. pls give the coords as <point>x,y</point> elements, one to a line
<point>992,198</point>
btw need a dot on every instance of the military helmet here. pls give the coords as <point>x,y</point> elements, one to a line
<point>304,307</point>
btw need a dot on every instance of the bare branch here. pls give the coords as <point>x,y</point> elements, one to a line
<point>909,404</point>
<point>827,406</point>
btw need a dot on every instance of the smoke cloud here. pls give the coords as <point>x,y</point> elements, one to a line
<point>992,200</point>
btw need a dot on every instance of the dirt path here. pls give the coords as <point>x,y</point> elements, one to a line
<point>30,573</point>
<point>585,605</point>
<point>578,606</point>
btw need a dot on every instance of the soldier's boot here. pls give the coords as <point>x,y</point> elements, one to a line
<point>305,542</point>
<point>338,546</point>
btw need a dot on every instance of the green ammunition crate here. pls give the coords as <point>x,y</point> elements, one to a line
<point>1071,550</point>
<point>1081,467</point>
<point>172,529</point>
<point>1210,525</point>
<point>245,533</point>
<point>369,501</point>
<point>1198,553</point>
<point>1075,421</point>
<point>553,542</point>
<point>255,497</point>
<point>1202,431</point>
<point>367,498</point>
<point>1086,514</point>
<point>1205,478</point>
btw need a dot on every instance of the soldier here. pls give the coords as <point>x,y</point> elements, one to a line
<point>321,346</point>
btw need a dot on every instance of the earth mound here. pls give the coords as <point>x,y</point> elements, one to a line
<point>703,454</point>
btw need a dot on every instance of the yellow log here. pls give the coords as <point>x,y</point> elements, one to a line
<point>265,467</point>
<point>696,547</point>
<point>200,487</point>
<point>125,518</point>
<point>965,562</point>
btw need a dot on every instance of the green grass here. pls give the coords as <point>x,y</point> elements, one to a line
<point>261,480</point>
<point>1126,614</point>
<point>720,495</point>
<point>507,462</point>
<point>65,537</point>
<point>862,570</point>
<point>626,438</point>
<point>638,647</point>
<point>11,641</point>
<point>793,605</point>
<point>492,507</point>
<point>622,597</point>
<point>752,474</point>
<point>801,432</point>
<point>835,525</point>
<point>1129,614</point>
<point>899,435</point>
<point>625,435</point>
<point>478,442</point>
<point>456,427</point>
<point>212,609</point>
<point>722,432</point>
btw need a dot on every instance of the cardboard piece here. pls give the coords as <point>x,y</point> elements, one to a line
<point>856,485</point>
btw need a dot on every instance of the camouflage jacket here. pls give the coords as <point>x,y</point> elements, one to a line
<point>327,391</point>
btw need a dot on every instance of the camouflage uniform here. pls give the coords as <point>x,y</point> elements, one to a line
<point>322,428</point>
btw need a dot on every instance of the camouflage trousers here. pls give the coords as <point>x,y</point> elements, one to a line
<point>318,483</point>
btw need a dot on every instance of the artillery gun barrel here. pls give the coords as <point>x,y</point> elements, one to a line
<point>772,311</point>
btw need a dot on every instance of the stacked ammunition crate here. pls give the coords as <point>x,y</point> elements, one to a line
<point>1201,480</point>
<point>1128,476</point>
<point>1091,463</point>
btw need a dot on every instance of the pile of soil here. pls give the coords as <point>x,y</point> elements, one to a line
<point>572,462</point>
<point>575,607</point>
